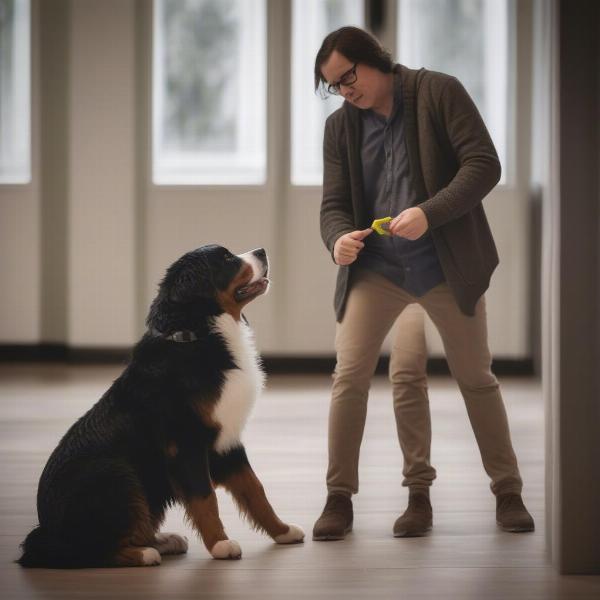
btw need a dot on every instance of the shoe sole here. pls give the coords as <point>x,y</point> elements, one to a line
<point>403,534</point>
<point>332,537</point>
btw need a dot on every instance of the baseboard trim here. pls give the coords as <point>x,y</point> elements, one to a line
<point>59,353</point>
<point>435,366</point>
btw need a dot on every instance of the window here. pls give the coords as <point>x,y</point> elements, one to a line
<point>15,92</point>
<point>209,92</point>
<point>312,20</point>
<point>470,40</point>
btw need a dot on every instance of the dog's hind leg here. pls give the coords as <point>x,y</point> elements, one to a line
<point>170,543</point>
<point>139,548</point>
<point>232,470</point>
<point>167,543</point>
<point>137,556</point>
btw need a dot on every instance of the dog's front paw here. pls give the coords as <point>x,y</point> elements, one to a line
<point>294,535</point>
<point>226,549</point>
<point>171,543</point>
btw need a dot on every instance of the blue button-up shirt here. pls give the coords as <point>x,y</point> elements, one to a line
<point>388,190</point>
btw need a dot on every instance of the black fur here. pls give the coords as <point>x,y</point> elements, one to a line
<point>117,452</point>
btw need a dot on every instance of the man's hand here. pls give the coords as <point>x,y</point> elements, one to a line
<point>347,246</point>
<point>410,224</point>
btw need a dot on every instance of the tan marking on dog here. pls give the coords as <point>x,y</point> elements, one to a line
<point>229,305</point>
<point>204,516</point>
<point>205,411</point>
<point>250,497</point>
<point>132,556</point>
<point>227,299</point>
<point>144,526</point>
<point>172,450</point>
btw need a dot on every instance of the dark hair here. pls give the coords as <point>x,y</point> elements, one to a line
<point>358,46</point>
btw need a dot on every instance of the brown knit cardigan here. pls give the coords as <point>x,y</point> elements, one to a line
<point>453,165</point>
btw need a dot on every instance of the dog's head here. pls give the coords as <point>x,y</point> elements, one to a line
<point>207,282</point>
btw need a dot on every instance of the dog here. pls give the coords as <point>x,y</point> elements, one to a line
<point>167,431</point>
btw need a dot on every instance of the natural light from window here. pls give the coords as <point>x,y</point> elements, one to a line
<point>312,20</point>
<point>470,40</point>
<point>209,92</point>
<point>15,92</point>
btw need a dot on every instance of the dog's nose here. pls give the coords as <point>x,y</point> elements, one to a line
<point>260,253</point>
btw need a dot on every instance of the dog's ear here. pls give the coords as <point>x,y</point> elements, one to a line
<point>169,312</point>
<point>158,316</point>
<point>185,288</point>
<point>192,283</point>
<point>191,287</point>
<point>186,292</point>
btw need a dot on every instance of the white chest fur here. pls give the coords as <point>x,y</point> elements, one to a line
<point>242,385</point>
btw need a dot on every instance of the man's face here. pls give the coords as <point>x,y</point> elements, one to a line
<point>368,88</point>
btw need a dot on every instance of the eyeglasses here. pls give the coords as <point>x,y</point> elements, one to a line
<point>348,78</point>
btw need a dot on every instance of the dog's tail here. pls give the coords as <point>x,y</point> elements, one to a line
<point>40,549</point>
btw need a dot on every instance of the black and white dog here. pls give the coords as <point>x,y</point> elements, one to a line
<point>167,431</point>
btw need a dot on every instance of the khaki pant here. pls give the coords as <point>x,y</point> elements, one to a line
<point>373,305</point>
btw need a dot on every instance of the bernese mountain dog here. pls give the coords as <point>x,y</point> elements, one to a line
<point>167,431</point>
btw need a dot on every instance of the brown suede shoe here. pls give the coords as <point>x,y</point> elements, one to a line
<point>511,514</point>
<point>335,520</point>
<point>417,519</point>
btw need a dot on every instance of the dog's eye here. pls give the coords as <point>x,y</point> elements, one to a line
<point>229,258</point>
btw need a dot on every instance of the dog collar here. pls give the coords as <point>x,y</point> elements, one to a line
<point>185,336</point>
<point>177,336</point>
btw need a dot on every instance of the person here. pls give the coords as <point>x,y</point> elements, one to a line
<point>408,144</point>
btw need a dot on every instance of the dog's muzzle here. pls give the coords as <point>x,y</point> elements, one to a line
<point>259,283</point>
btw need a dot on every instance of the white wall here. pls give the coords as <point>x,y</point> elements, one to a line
<point>20,238</point>
<point>123,232</point>
<point>101,185</point>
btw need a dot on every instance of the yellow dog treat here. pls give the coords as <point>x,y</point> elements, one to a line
<point>381,226</point>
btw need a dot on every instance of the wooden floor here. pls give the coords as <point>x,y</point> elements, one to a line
<point>465,557</point>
